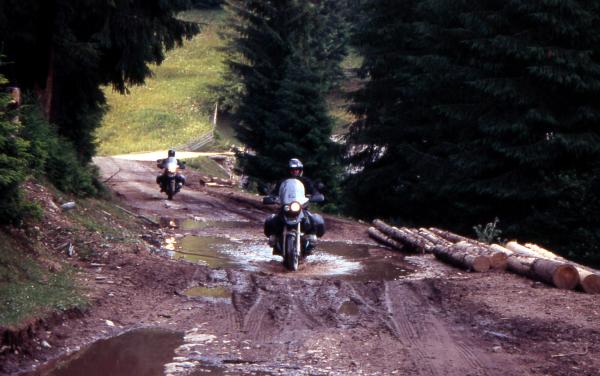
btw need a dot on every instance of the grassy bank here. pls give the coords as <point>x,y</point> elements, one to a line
<point>174,106</point>
<point>171,108</point>
<point>36,276</point>
<point>31,286</point>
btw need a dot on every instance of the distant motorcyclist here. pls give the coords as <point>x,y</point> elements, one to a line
<point>161,179</point>
<point>313,227</point>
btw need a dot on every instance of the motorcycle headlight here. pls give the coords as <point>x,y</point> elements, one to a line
<point>172,170</point>
<point>295,207</point>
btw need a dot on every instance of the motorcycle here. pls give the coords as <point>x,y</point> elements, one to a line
<point>291,242</point>
<point>171,181</point>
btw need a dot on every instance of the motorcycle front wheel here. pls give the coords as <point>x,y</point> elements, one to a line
<point>171,189</point>
<point>291,253</point>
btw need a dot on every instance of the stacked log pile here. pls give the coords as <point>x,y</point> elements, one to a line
<point>213,181</point>
<point>527,260</point>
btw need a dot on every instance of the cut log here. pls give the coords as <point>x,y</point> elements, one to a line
<point>499,248</point>
<point>383,239</point>
<point>423,242</point>
<point>462,259</point>
<point>558,274</point>
<point>498,260</point>
<point>589,280</point>
<point>520,249</point>
<point>450,236</point>
<point>395,233</point>
<point>435,239</point>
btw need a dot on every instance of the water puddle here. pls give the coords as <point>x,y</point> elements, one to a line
<point>201,223</point>
<point>346,261</point>
<point>206,250</point>
<point>208,292</point>
<point>348,308</point>
<point>138,352</point>
<point>203,370</point>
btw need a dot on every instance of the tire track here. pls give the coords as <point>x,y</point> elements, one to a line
<point>406,333</point>
<point>430,342</point>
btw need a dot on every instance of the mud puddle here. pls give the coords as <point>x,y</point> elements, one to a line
<point>138,352</point>
<point>208,292</point>
<point>202,223</point>
<point>349,308</point>
<point>351,261</point>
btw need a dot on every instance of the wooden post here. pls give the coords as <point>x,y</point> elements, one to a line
<point>215,116</point>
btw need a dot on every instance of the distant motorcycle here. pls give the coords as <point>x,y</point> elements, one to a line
<point>291,242</point>
<point>171,181</point>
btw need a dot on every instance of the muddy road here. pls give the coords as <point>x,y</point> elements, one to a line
<point>352,308</point>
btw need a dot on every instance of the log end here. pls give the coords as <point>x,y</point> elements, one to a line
<point>565,277</point>
<point>481,264</point>
<point>499,261</point>
<point>591,284</point>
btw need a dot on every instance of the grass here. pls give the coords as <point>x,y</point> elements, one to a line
<point>35,282</point>
<point>172,107</point>
<point>175,105</point>
<point>28,289</point>
<point>206,166</point>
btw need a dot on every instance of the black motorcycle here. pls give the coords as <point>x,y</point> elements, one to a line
<point>171,181</point>
<point>291,242</point>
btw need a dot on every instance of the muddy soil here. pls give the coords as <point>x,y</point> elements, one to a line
<point>352,308</point>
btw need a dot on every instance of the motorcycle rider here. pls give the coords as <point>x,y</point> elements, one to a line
<point>162,164</point>
<point>313,225</point>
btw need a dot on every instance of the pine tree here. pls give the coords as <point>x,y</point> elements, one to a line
<point>481,109</point>
<point>536,157</point>
<point>13,161</point>
<point>65,50</point>
<point>408,125</point>
<point>284,73</point>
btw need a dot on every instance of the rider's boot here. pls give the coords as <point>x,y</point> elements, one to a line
<point>311,243</point>
<point>273,244</point>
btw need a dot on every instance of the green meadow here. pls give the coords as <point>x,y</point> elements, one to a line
<point>172,107</point>
<point>175,105</point>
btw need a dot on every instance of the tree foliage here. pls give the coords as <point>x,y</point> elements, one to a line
<point>64,51</point>
<point>477,110</point>
<point>14,157</point>
<point>286,55</point>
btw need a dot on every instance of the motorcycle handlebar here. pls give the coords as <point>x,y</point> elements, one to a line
<point>271,200</point>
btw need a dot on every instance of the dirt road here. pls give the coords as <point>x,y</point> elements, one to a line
<point>352,308</point>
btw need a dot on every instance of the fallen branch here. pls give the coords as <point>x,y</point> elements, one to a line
<point>585,352</point>
<point>112,176</point>
<point>139,216</point>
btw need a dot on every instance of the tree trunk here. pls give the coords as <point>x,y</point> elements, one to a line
<point>589,280</point>
<point>450,236</point>
<point>462,259</point>
<point>522,250</point>
<point>405,238</point>
<point>498,260</point>
<point>381,238</point>
<point>424,243</point>
<point>433,238</point>
<point>558,274</point>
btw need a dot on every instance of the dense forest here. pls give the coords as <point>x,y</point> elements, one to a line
<point>465,111</point>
